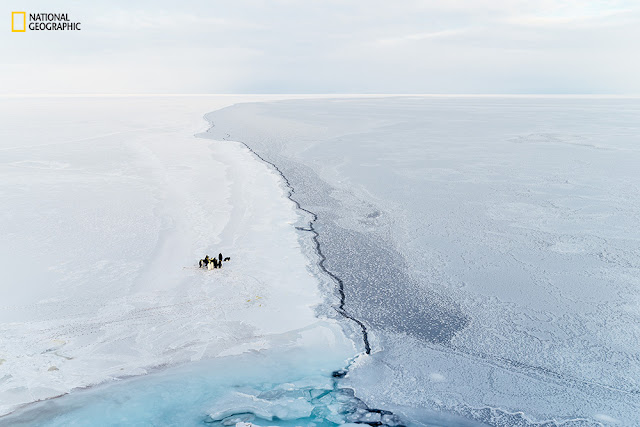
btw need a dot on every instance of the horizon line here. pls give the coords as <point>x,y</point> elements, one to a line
<point>433,95</point>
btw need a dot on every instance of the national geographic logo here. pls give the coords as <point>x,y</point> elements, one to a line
<point>18,22</point>
<point>42,22</point>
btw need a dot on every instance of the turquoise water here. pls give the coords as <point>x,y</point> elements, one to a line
<point>286,388</point>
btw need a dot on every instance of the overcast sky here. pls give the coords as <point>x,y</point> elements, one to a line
<point>307,46</point>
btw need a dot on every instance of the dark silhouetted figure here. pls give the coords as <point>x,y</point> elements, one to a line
<point>211,263</point>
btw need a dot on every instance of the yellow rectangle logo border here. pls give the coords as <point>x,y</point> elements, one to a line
<point>24,22</point>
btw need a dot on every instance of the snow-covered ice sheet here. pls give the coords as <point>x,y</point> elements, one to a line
<point>107,203</point>
<point>490,245</point>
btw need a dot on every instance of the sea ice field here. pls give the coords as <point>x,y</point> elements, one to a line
<point>489,246</point>
<point>451,261</point>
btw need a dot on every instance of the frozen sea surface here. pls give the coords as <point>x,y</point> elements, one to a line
<point>107,205</point>
<point>489,245</point>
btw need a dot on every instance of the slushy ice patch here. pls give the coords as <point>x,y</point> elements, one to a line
<point>376,281</point>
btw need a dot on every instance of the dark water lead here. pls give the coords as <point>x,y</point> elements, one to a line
<point>375,289</point>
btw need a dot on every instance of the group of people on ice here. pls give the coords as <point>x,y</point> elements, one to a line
<point>211,263</point>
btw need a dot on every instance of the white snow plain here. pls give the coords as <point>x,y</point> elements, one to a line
<point>107,205</point>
